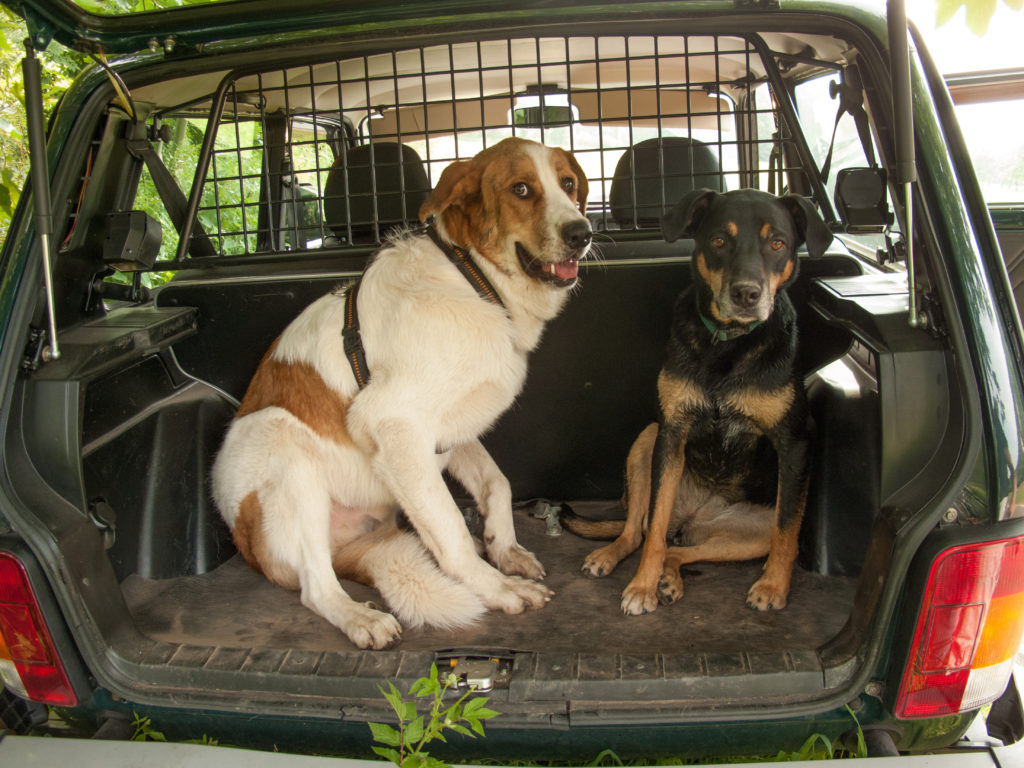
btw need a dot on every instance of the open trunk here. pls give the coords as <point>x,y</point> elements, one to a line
<point>165,607</point>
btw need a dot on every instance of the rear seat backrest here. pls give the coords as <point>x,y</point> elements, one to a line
<point>652,176</point>
<point>385,177</point>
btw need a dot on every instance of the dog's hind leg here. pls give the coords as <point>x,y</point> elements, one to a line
<point>400,568</point>
<point>602,561</point>
<point>739,532</point>
<point>473,466</point>
<point>300,556</point>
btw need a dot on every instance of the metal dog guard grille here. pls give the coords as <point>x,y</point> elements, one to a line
<point>651,117</point>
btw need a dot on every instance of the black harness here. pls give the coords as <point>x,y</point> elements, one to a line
<point>353,342</point>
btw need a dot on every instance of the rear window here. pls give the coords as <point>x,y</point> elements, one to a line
<point>337,153</point>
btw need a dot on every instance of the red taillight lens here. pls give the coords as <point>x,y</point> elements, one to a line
<point>29,664</point>
<point>969,629</point>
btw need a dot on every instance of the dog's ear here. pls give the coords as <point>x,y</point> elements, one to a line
<point>582,186</point>
<point>684,219</point>
<point>809,224</point>
<point>459,182</point>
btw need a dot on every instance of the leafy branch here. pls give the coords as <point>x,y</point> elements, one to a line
<point>404,746</point>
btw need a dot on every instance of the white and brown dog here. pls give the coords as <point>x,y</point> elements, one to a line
<point>315,466</point>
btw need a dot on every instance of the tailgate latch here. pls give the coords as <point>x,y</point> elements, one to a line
<point>481,674</point>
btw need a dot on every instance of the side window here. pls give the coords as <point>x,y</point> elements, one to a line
<point>180,154</point>
<point>818,109</point>
<point>992,130</point>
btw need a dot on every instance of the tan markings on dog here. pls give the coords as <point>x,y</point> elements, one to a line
<point>652,561</point>
<point>348,560</point>
<point>782,549</point>
<point>678,395</point>
<point>475,202</point>
<point>251,540</point>
<point>301,391</point>
<point>566,165</point>
<point>712,278</point>
<point>732,228</point>
<point>765,408</point>
<point>247,531</point>
<point>783,276</point>
<point>766,231</point>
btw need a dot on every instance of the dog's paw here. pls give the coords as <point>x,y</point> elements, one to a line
<point>367,627</point>
<point>670,586</point>
<point>599,563</point>
<point>637,600</point>
<point>516,561</point>
<point>517,595</point>
<point>765,595</point>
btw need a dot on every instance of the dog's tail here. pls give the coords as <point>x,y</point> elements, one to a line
<point>415,589</point>
<point>587,528</point>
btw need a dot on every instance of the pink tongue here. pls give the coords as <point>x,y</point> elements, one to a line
<point>567,269</point>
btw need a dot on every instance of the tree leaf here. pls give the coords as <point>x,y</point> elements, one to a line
<point>408,711</point>
<point>389,754</point>
<point>946,10</point>
<point>385,734</point>
<point>414,731</point>
<point>979,14</point>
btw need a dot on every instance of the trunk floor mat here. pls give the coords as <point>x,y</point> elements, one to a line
<point>234,606</point>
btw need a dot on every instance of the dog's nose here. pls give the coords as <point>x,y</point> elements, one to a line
<point>576,234</point>
<point>745,295</point>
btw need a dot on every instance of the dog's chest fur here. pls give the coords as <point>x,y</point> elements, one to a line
<point>451,356</point>
<point>726,447</point>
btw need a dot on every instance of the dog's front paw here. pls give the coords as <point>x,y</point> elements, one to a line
<point>766,594</point>
<point>600,562</point>
<point>517,595</point>
<point>516,561</point>
<point>638,600</point>
<point>367,627</point>
<point>670,586</point>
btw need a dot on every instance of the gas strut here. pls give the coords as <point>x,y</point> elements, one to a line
<point>40,183</point>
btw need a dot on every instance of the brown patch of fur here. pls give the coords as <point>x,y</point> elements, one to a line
<point>766,231</point>
<point>782,277</point>
<point>677,396</point>
<point>247,532</point>
<point>765,408</point>
<point>477,213</point>
<point>348,560</point>
<point>652,560</point>
<point>301,391</point>
<point>732,228</point>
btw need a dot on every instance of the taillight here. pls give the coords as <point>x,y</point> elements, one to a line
<point>969,629</point>
<point>29,665</point>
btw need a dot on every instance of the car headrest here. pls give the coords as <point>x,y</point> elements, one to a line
<point>655,173</point>
<point>384,177</point>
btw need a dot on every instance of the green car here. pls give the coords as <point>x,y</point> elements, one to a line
<point>222,165</point>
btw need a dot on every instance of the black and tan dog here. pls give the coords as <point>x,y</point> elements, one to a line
<point>725,466</point>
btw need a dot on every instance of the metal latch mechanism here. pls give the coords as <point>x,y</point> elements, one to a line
<point>481,674</point>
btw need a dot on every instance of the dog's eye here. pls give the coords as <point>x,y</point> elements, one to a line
<point>569,185</point>
<point>521,189</point>
<point>778,244</point>
<point>718,241</point>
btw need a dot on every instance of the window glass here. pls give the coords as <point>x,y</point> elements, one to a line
<point>995,138</point>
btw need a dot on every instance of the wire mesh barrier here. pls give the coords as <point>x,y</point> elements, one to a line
<point>338,153</point>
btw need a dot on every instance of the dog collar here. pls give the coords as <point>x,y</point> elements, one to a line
<point>723,332</point>
<point>466,266</point>
<point>352,340</point>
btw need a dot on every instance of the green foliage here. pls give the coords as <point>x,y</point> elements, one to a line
<point>144,731</point>
<point>404,746</point>
<point>978,12</point>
